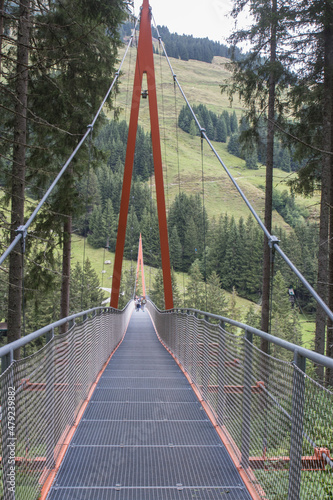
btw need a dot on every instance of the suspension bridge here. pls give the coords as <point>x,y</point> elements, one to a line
<point>150,404</point>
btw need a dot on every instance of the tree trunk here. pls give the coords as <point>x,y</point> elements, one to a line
<point>328,160</point>
<point>322,268</point>
<point>269,182</point>
<point>18,173</point>
<point>2,6</point>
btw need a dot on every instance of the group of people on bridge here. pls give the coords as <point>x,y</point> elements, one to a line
<point>140,303</point>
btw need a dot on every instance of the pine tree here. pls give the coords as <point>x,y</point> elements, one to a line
<point>195,293</point>
<point>230,260</point>
<point>216,300</point>
<point>193,129</point>
<point>127,285</point>
<point>175,250</point>
<point>285,160</point>
<point>233,311</point>
<point>110,225</point>
<point>157,292</point>
<point>233,123</point>
<point>251,158</point>
<point>226,117</point>
<point>85,288</point>
<point>234,146</point>
<point>210,129</point>
<point>177,301</point>
<point>221,130</point>
<point>252,317</point>
<point>190,244</point>
<point>132,236</point>
<point>98,233</point>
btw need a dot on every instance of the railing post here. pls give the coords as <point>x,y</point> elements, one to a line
<point>6,361</point>
<point>50,405</point>
<point>221,375</point>
<point>247,395</point>
<point>296,433</point>
<point>205,364</point>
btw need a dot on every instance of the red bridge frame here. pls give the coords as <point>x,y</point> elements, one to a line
<point>144,64</point>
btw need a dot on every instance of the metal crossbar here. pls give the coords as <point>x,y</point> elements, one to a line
<point>276,420</point>
<point>43,394</point>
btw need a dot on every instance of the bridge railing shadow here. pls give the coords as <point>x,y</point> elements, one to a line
<point>275,420</point>
<point>44,393</point>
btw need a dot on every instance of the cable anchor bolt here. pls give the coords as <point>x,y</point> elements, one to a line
<point>23,231</point>
<point>273,241</point>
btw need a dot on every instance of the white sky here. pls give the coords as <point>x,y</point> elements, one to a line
<point>200,18</point>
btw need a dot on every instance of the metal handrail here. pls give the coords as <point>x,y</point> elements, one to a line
<point>266,408</point>
<point>10,348</point>
<point>296,349</point>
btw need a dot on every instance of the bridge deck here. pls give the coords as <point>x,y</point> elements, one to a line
<point>144,435</point>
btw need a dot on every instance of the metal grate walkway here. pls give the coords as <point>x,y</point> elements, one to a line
<point>144,435</point>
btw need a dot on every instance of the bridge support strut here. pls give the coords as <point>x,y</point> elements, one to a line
<point>144,65</point>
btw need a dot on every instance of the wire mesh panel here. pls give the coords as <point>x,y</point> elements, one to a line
<point>41,396</point>
<point>276,420</point>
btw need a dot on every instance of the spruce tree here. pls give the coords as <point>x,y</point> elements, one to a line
<point>175,250</point>
<point>233,123</point>
<point>251,158</point>
<point>195,292</point>
<point>234,311</point>
<point>127,285</point>
<point>98,234</point>
<point>234,146</point>
<point>193,131</point>
<point>190,244</point>
<point>85,288</point>
<point>260,79</point>
<point>157,292</point>
<point>221,130</point>
<point>226,117</point>
<point>216,300</point>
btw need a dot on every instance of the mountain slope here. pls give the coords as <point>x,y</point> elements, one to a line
<point>201,83</point>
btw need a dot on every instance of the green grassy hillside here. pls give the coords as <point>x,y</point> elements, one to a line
<point>201,83</point>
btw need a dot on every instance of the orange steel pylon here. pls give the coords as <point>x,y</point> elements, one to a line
<point>140,265</point>
<point>144,65</point>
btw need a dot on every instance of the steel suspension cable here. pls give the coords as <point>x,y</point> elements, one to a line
<point>203,217</point>
<point>178,168</point>
<point>22,230</point>
<point>272,240</point>
<point>86,213</point>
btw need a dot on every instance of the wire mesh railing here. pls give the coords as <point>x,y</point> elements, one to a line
<point>276,421</point>
<point>43,394</point>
